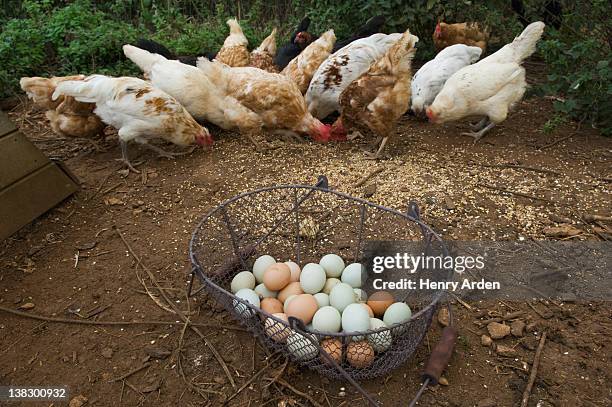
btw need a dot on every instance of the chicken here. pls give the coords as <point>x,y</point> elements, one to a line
<point>372,26</point>
<point>157,48</point>
<point>461,33</point>
<point>262,101</point>
<point>186,83</point>
<point>262,57</point>
<point>67,117</point>
<point>429,80</point>
<point>138,110</point>
<point>341,68</point>
<point>234,51</point>
<point>489,87</point>
<point>302,68</point>
<point>299,40</point>
<point>374,102</point>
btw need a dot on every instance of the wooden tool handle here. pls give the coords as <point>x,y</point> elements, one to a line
<point>440,355</point>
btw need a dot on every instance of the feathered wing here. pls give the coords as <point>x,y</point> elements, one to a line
<point>521,48</point>
<point>234,51</point>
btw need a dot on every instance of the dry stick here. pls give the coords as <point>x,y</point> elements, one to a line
<point>554,143</point>
<point>251,379</point>
<point>368,176</point>
<point>506,317</point>
<point>178,311</point>
<point>299,393</point>
<point>502,189</point>
<point>131,372</point>
<point>534,371</point>
<point>110,323</point>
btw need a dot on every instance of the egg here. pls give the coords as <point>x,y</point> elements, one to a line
<point>291,289</point>
<point>329,284</point>
<point>380,341</point>
<point>288,301</point>
<point>333,347</point>
<point>244,279</point>
<point>367,307</point>
<point>249,296</point>
<point>277,331</point>
<point>359,354</point>
<point>277,276</point>
<point>353,275</point>
<point>303,307</point>
<point>272,306</point>
<point>341,295</point>
<point>397,313</point>
<point>312,278</point>
<point>322,299</point>
<point>301,347</point>
<point>355,318</point>
<point>263,291</point>
<point>261,265</point>
<point>332,264</point>
<point>380,301</point>
<point>295,271</point>
<point>327,319</point>
<point>360,295</point>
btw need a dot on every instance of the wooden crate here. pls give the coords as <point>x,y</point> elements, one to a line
<point>30,183</point>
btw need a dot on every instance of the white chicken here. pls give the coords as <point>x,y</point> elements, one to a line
<point>489,87</point>
<point>429,80</point>
<point>342,68</point>
<point>138,110</point>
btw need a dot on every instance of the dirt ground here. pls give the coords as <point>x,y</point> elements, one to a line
<point>71,263</point>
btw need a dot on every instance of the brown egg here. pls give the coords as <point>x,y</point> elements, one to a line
<point>277,276</point>
<point>277,330</point>
<point>367,307</point>
<point>333,347</point>
<point>291,289</point>
<point>303,307</point>
<point>271,305</point>
<point>295,271</point>
<point>360,354</point>
<point>380,301</point>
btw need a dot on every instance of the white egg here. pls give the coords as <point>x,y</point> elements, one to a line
<point>301,347</point>
<point>355,318</point>
<point>327,319</point>
<point>341,296</point>
<point>380,341</point>
<point>322,299</point>
<point>244,279</point>
<point>312,278</point>
<point>360,295</point>
<point>329,284</point>
<point>260,266</point>
<point>287,301</point>
<point>397,313</point>
<point>333,265</point>
<point>249,296</point>
<point>353,275</point>
<point>263,291</point>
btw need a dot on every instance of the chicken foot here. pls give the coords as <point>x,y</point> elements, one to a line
<point>480,124</point>
<point>377,154</point>
<point>125,158</point>
<point>477,135</point>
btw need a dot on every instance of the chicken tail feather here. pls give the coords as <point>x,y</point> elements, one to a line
<point>268,44</point>
<point>144,59</point>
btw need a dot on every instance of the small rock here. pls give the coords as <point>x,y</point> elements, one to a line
<point>443,317</point>
<point>503,350</point>
<point>112,201</point>
<point>342,394</point>
<point>449,204</point>
<point>497,330</point>
<point>485,340</point>
<point>27,306</point>
<point>158,352</point>
<point>486,403</point>
<point>443,381</point>
<point>107,353</point>
<point>86,246</point>
<point>517,328</point>
<point>78,401</point>
<point>369,190</point>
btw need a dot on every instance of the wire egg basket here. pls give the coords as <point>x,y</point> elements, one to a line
<point>302,223</point>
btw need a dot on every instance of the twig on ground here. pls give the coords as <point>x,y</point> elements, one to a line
<point>251,379</point>
<point>369,175</point>
<point>511,315</point>
<point>554,143</point>
<point>534,371</point>
<point>297,392</point>
<point>521,194</point>
<point>131,372</point>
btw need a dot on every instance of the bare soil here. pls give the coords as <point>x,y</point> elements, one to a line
<point>71,263</point>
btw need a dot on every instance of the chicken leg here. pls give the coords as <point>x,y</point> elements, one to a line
<point>477,135</point>
<point>376,155</point>
<point>125,158</point>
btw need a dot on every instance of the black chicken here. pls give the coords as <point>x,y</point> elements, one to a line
<point>157,48</point>
<point>300,39</point>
